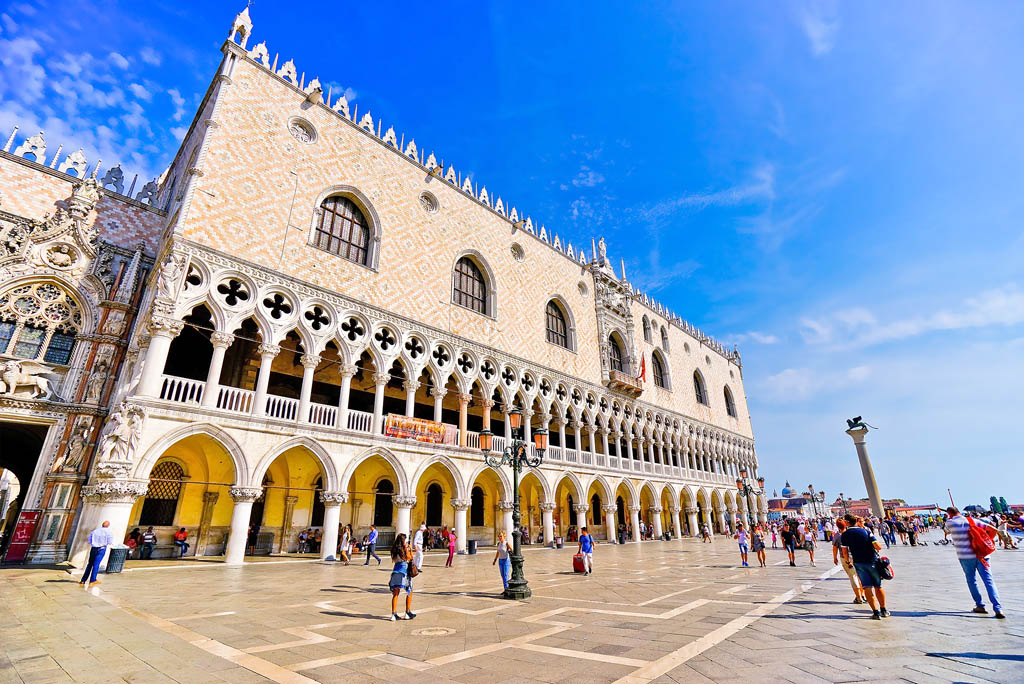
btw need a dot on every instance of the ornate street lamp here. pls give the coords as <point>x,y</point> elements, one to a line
<point>517,456</point>
<point>746,487</point>
<point>816,499</point>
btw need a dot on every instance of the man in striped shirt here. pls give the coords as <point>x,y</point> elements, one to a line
<point>959,528</point>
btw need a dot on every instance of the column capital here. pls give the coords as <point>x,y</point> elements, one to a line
<point>656,509</point>
<point>634,509</point>
<point>438,392</point>
<point>347,370</point>
<point>548,505</point>
<point>404,501</point>
<point>527,414</point>
<point>381,379</point>
<point>221,340</point>
<point>465,398</point>
<point>505,506</point>
<point>411,385</point>
<point>270,350</point>
<point>329,498</point>
<point>211,497</point>
<point>674,509</point>
<point>461,504</point>
<point>487,404</point>
<point>115,490</point>
<point>581,508</point>
<point>731,508</point>
<point>609,508</point>
<point>162,326</point>
<point>245,494</point>
<point>309,361</point>
<point>604,430</point>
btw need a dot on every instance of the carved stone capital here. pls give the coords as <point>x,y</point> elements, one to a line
<point>461,504</point>
<point>691,510</point>
<point>411,386</point>
<point>581,508</point>
<point>347,370</point>
<point>487,404</point>
<point>548,505</point>
<point>381,379</point>
<point>505,506</point>
<point>464,398</point>
<point>333,497</point>
<point>404,501</point>
<point>161,326</point>
<point>438,392</point>
<point>634,509</point>
<point>115,491</point>
<point>245,494</point>
<point>656,509</point>
<point>674,509</point>
<point>309,361</point>
<point>221,340</point>
<point>609,509</point>
<point>270,350</point>
<point>210,497</point>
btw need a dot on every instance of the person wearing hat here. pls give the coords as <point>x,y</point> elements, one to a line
<point>417,545</point>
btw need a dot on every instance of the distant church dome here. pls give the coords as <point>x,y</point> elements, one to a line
<point>788,492</point>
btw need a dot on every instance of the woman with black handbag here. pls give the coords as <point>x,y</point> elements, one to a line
<point>401,577</point>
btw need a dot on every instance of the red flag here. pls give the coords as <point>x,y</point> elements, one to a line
<point>643,368</point>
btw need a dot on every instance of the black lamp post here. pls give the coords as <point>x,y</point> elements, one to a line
<point>843,501</point>
<point>816,499</point>
<point>746,487</point>
<point>517,455</point>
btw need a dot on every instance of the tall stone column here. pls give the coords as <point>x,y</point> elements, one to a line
<point>506,409</point>
<point>575,425</point>
<point>581,513</point>
<point>221,342</point>
<point>486,405</point>
<point>110,500</point>
<point>629,449</point>
<point>561,436</point>
<point>332,519</point>
<point>734,517</point>
<point>162,331</point>
<point>438,393</point>
<point>676,526</point>
<point>286,523</point>
<point>877,507</point>
<point>380,381</point>
<point>202,536</point>
<point>267,354</point>
<point>461,529</point>
<point>463,415</point>
<point>527,417</point>
<point>234,552</point>
<point>604,441</point>
<point>723,526</point>
<point>410,397</point>
<point>506,518</point>
<point>634,519</point>
<point>609,522</point>
<point>691,521</point>
<point>309,364</point>
<point>656,519</point>
<point>402,524</point>
<point>548,520</point>
<point>346,373</point>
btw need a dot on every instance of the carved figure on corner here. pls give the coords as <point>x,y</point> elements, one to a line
<point>123,434</point>
<point>170,274</point>
<point>17,374</point>
<point>77,442</point>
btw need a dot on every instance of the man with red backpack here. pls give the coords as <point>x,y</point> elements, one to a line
<point>974,543</point>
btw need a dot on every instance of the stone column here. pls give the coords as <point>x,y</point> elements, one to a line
<point>870,483</point>
<point>332,519</point>
<point>380,380</point>
<point>505,410</point>
<point>676,526</point>
<point>162,330</point>
<point>234,552</point>
<point>346,373</point>
<point>309,364</point>
<point>463,414</point>
<point>650,450</point>
<point>506,518</point>
<point>629,449</point>
<point>734,517</point>
<point>527,417</point>
<point>592,435</point>
<point>438,393</point>
<point>461,506</point>
<point>634,519</point>
<point>286,522</point>
<point>405,504</point>
<point>267,353</point>
<point>410,397</point>
<point>486,405</point>
<point>691,521</point>
<point>656,520</point>
<point>610,523</point>
<point>581,514</point>
<point>548,520</point>
<point>723,526</point>
<point>604,440</point>
<point>202,535</point>
<point>221,342</point>
<point>561,436</point>
<point>575,425</point>
<point>111,500</point>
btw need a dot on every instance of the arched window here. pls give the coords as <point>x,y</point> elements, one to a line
<point>699,389</point>
<point>558,327</point>
<point>620,510</point>
<point>469,289</point>
<point>476,508</point>
<point>595,509</point>
<point>664,338</point>
<point>343,230</point>
<point>256,514</point>
<point>572,509</point>
<point>730,405</point>
<point>162,496</point>
<point>647,329</point>
<point>39,322</point>
<point>317,517</point>
<point>435,499</point>
<point>658,371</point>
<point>615,355</point>
<point>382,508</point>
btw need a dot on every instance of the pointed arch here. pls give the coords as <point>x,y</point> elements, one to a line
<point>387,455</point>
<point>449,465</point>
<point>634,495</point>
<point>607,492</point>
<point>574,480</point>
<point>506,484</point>
<point>320,454</point>
<point>473,283</point>
<point>217,434</point>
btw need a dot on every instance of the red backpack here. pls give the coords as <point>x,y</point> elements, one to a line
<point>982,540</point>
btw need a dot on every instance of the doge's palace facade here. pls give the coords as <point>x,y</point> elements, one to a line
<point>317,320</point>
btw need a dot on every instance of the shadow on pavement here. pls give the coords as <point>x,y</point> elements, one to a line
<point>980,656</point>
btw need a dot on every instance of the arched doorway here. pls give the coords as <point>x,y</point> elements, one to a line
<point>476,507</point>
<point>435,500</point>
<point>316,518</point>
<point>383,509</point>
<point>19,457</point>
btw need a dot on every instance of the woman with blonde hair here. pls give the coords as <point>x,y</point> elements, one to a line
<point>401,555</point>
<point>502,560</point>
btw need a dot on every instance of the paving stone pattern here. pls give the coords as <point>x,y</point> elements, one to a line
<point>652,612</point>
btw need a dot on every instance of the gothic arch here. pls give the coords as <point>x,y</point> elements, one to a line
<point>364,205</point>
<point>608,494</point>
<point>571,476</point>
<point>453,470</point>
<point>634,495</point>
<point>387,455</point>
<point>490,281</point>
<point>318,452</point>
<point>506,484</point>
<point>226,441</point>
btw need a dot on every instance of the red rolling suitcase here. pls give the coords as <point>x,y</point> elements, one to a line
<point>577,563</point>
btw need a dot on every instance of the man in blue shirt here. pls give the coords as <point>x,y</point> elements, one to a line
<point>860,547</point>
<point>99,540</point>
<point>587,551</point>
<point>371,545</point>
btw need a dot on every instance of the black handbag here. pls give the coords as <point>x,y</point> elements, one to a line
<point>884,568</point>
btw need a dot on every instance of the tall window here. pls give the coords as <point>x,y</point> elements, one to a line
<point>699,390</point>
<point>162,495</point>
<point>39,322</point>
<point>470,289</point>
<point>316,519</point>
<point>658,370</point>
<point>730,405</point>
<point>558,330</point>
<point>435,500</point>
<point>343,230</point>
<point>664,338</point>
<point>615,354</point>
<point>647,330</point>
<point>595,509</point>
<point>476,508</point>
<point>382,508</point>
<point>572,509</point>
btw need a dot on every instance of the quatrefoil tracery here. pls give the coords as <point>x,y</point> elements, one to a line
<point>441,356</point>
<point>414,347</point>
<point>465,363</point>
<point>385,339</point>
<point>233,291</point>
<point>353,329</point>
<point>488,370</point>
<point>277,306</point>
<point>508,376</point>
<point>317,318</point>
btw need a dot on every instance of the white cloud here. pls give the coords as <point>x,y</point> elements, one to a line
<point>587,178</point>
<point>21,79</point>
<point>752,336</point>
<point>10,25</point>
<point>150,56</point>
<point>760,187</point>
<point>179,132</point>
<point>140,91</point>
<point>179,103</point>
<point>860,327</point>
<point>820,26</point>
<point>799,384</point>
<point>118,60</point>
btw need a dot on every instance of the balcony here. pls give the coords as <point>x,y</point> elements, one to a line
<point>624,382</point>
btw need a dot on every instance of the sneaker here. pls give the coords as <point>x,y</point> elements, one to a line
<point>1000,616</point>
<point>858,601</point>
<point>885,612</point>
<point>378,562</point>
<point>792,564</point>
<point>980,609</point>
<point>394,617</point>
<point>876,615</point>
<point>409,615</point>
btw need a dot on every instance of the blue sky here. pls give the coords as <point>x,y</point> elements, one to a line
<point>835,188</point>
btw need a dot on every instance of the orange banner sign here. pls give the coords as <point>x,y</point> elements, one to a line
<point>414,428</point>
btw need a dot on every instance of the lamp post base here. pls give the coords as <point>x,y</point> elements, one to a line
<point>517,591</point>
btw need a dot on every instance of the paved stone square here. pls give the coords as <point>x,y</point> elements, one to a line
<point>655,611</point>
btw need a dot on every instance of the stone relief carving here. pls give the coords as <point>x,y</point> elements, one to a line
<point>73,456</point>
<point>124,427</point>
<point>61,256</point>
<point>18,377</point>
<point>170,275</point>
